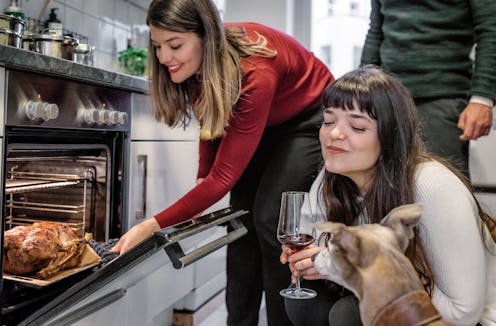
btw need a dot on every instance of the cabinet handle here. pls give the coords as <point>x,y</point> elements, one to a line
<point>143,160</point>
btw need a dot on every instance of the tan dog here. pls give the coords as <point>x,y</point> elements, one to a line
<point>369,260</point>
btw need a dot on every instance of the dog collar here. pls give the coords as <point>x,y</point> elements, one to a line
<point>414,308</point>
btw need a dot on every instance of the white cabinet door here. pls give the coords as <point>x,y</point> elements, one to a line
<point>161,172</point>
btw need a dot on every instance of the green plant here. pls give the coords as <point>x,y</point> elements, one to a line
<point>134,60</point>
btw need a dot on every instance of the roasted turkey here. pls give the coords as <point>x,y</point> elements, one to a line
<point>43,248</point>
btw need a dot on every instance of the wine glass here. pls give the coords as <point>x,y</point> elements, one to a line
<point>296,230</point>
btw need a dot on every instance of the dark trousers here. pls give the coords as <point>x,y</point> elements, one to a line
<point>288,158</point>
<point>331,307</point>
<point>438,128</point>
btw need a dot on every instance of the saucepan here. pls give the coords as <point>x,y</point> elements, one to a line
<point>11,30</point>
<point>57,46</point>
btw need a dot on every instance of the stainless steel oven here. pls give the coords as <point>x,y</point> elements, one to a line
<point>65,153</point>
<point>66,158</point>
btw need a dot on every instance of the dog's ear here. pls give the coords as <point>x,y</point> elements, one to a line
<point>402,220</point>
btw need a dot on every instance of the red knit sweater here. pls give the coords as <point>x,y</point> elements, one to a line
<point>273,91</point>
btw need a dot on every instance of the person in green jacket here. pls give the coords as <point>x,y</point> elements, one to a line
<point>444,51</point>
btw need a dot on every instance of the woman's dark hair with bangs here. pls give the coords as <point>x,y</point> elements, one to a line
<point>387,101</point>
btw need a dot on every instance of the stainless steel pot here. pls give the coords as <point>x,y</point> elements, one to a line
<point>28,42</point>
<point>83,53</point>
<point>11,30</point>
<point>56,46</point>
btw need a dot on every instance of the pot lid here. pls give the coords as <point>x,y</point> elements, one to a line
<point>9,17</point>
<point>48,37</point>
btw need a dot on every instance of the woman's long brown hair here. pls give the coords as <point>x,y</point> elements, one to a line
<point>212,94</point>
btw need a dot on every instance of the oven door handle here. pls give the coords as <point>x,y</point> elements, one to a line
<point>172,235</point>
<point>143,159</point>
<point>181,260</point>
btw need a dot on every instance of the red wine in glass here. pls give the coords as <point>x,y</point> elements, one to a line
<point>296,241</point>
<point>295,229</point>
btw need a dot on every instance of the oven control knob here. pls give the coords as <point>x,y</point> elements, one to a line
<point>50,111</point>
<point>121,118</point>
<point>90,115</point>
<point>112,117</point>
<point>103,116</point>
<point>40,110</point>
<point>33,110</point>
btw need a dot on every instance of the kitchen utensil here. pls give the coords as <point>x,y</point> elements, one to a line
<point>11,30</point>
<point>57,46</point>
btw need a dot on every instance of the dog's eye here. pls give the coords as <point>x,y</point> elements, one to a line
<point>324,238</point>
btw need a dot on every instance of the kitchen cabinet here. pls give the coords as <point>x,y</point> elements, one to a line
<point>164,162</point>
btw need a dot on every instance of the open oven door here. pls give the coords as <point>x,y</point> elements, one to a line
<point>130,289</point>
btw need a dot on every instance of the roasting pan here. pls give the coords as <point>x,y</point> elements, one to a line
<point>90,259</point>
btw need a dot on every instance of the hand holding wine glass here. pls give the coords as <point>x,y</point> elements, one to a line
<point>296,230</point>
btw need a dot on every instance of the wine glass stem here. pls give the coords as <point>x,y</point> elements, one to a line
<point>298,288</point>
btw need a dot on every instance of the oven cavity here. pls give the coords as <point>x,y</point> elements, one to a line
<point>63,186</point>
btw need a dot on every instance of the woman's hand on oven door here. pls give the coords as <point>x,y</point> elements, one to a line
<point>135,235</point>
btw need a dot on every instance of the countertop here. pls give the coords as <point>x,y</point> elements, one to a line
<point>14,58</point>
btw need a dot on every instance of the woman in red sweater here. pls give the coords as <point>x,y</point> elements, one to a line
<point>256,94</point>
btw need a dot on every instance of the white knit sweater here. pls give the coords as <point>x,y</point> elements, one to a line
<point>463,260</point>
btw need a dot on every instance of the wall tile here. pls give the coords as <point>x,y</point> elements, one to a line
<point>75,4</point>
<point>106,9</point>
<point>90,29</point>
<point>106,36</point>
<point>73,21</point>
<point>92,7</point>
<point>120,37</point>
<point>121,12</point>
<point>140,31</point>
<point>105,61</point>
<point>136,16</point>
<point>140,36</point>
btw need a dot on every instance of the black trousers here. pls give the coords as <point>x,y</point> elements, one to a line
<point>288,158</point>
<point>333,306</point>
<point>438,127</point>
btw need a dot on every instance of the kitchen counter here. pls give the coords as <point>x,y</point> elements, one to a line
<point>14,58</point>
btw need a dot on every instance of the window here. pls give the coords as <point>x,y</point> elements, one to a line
<point>330,7</point>
<point>357,55</point>
<point>325,55</point>
<point>354,7</point>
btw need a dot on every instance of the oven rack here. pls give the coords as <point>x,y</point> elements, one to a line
<point>47,207</point>
<point>34,185</point>
<point>15,221</point>
<point>22,181</point>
